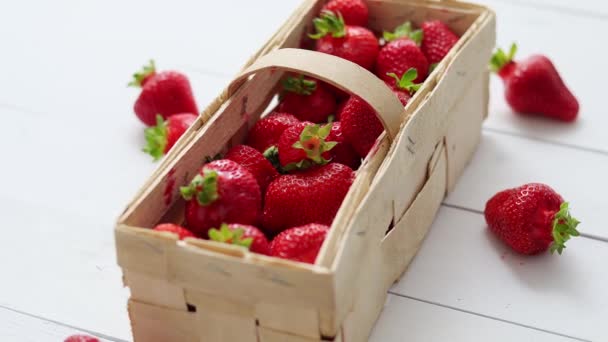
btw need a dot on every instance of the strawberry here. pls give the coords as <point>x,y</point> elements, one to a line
<point>531,219</point>
<point>165,93</point>
<point>437,40</point>
<point>343,152</point>
<point>360,125</point>
<point>354,43</point>
<point>404,86</point>
<point>354,12</point>
<point>304,145</point>
<point>161,138</point>
<point>243,235</point>
<point>299,243</point>
<point>307,99</point>
<point>402,53</point>
<point>310,196</point>
<point>267,131</point>
<point>533,86</point>
<point>181,232</point>
<point>81,338</point>
<point>254,161</point>
<point>223,191</point>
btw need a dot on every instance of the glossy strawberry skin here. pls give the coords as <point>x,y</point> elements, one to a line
<point>181,232</point>
<point>360,125</point>
<point>81,338</point>
<point>260,243</point>
<point>176,127</point>
<point>311,196</point>
<point>437,40</point>
<point>315,107</point>
<point>165,93</point>
<point>354,12</point>
<point>398,57</point>
<point>299,243</point>
<point>255,162</point>
<point>343,153</point>
<point>239,199</point>
<point>359,46</point>
<point>267,131</point>
<point>522,217</point>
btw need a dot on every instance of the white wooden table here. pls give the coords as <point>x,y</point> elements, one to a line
<point>72,160</point>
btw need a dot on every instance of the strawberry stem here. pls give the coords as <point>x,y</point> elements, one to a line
<point>406,81</point>
<point>312,141</point>
<point>203,187</point>
<point>156,138</point>
<point>272,155</point>
<point>226,235</point>
<point>500,58</point>
<point>328,23</point>
<point>140,76</point>
<point>564,227</point>
<point>299,85</point>
<point>404,30</point>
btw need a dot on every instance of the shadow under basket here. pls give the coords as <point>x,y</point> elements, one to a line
<point>200,290</point>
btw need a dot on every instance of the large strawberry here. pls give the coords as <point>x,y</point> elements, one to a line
<point>255,162</point>
<point>299,243</point>
<point>311,196</point>
<point>180,231</point>
<point>533,86</point>
<point>161,138</point>
<point>304,145</point>
<point>307,99</point>
<point>343,152</point>
<point>354,43</point>
<point>165,93</point>
<point>360,125</point>
<point>437,40</point>
<point>402,53</point>
<point>267,131</point>
<point>403,86</point>
<point>223,191</point>
<point>354,12</point>
<point>243,235</point>
<point>531,219</point>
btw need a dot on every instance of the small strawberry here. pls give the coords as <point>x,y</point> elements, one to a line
<point>533,86</point>
<point>404,86</point>
<point>310,196</point>
<point>402,53</point>
<point>81,338</point>
<point>343,152</point>
<point>165,93</point>
<point>161,138</point>
<point>531,219</point>
<point>307,99</point>
<point>437,40</point>
<point>243,235</point>
<point>360,125</point>
<point>299,243</point>
<point>267,131</point>
<point>354,43</point>
<point>354,12</point>
<point>304,145</point>
<point>254,161</point>
<point>181,232</point>
<point>223,191</point>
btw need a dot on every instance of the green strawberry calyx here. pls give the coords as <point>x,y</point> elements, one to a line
<point>299,85</point>
<point>406,81</point>
<point>141,75</point>
<point>202,187</point>
<point>564,227</point>
<point>227,235</point>
<point>272,155</point>
<point>500,58</point>
<point>404,30</point>
<point>312,141</point>
<point>156,138</point>
<point>329,23</point>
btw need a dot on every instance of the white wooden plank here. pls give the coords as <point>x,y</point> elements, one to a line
<point>504,161</point>
<point>463,266</point>
<point>404,319</point>
<point>586,8</point>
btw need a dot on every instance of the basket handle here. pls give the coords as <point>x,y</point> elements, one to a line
<point>338,72</point>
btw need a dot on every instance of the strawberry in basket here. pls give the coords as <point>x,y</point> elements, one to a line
<point>161,138</point>
<point>354,12</point>
<point>299,243</point>
<point>360,125</point>
<point>403,86</point>
<point>267,131</point>
<point>178,230</point>
<point>437,40</point>
<point>243,235</point>
<point>255,162</point>
<point>401,53</point>
<point>307,99</point>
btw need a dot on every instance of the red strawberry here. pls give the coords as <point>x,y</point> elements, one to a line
<point>254,161</point>
<point>223,191</point>
<point>404,86</point>
<point>81,338</point>
<point>267,131</point>
<point>174,228</point>
<point>531,219</point>
<point>533,86</point>
<point>343,152</point>
<point>360,125</point>
<point>311,196</point>
<point>354,43</point>
<point>299,243</point>
<point>161,138</point>
<point>165,93</point>
<point>437,40</point>
<point>354,12</point>
<point>241,235</point>
<point>304,145</point>
<point>401,54</point>
<point>307,99</point>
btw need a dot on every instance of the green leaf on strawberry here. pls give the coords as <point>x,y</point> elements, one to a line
<point>406,81</point>
<point>203,187</point>
<point>564,227</point>
<point>156,138</point>
<point>500,58</point>
<point>299,85</point>
<point>141,75</point>
<point>329,23</point>
<point>227,235</point>
<point>404,30</point>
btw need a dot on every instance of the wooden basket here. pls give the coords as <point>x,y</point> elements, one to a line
<point>199,290</point>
